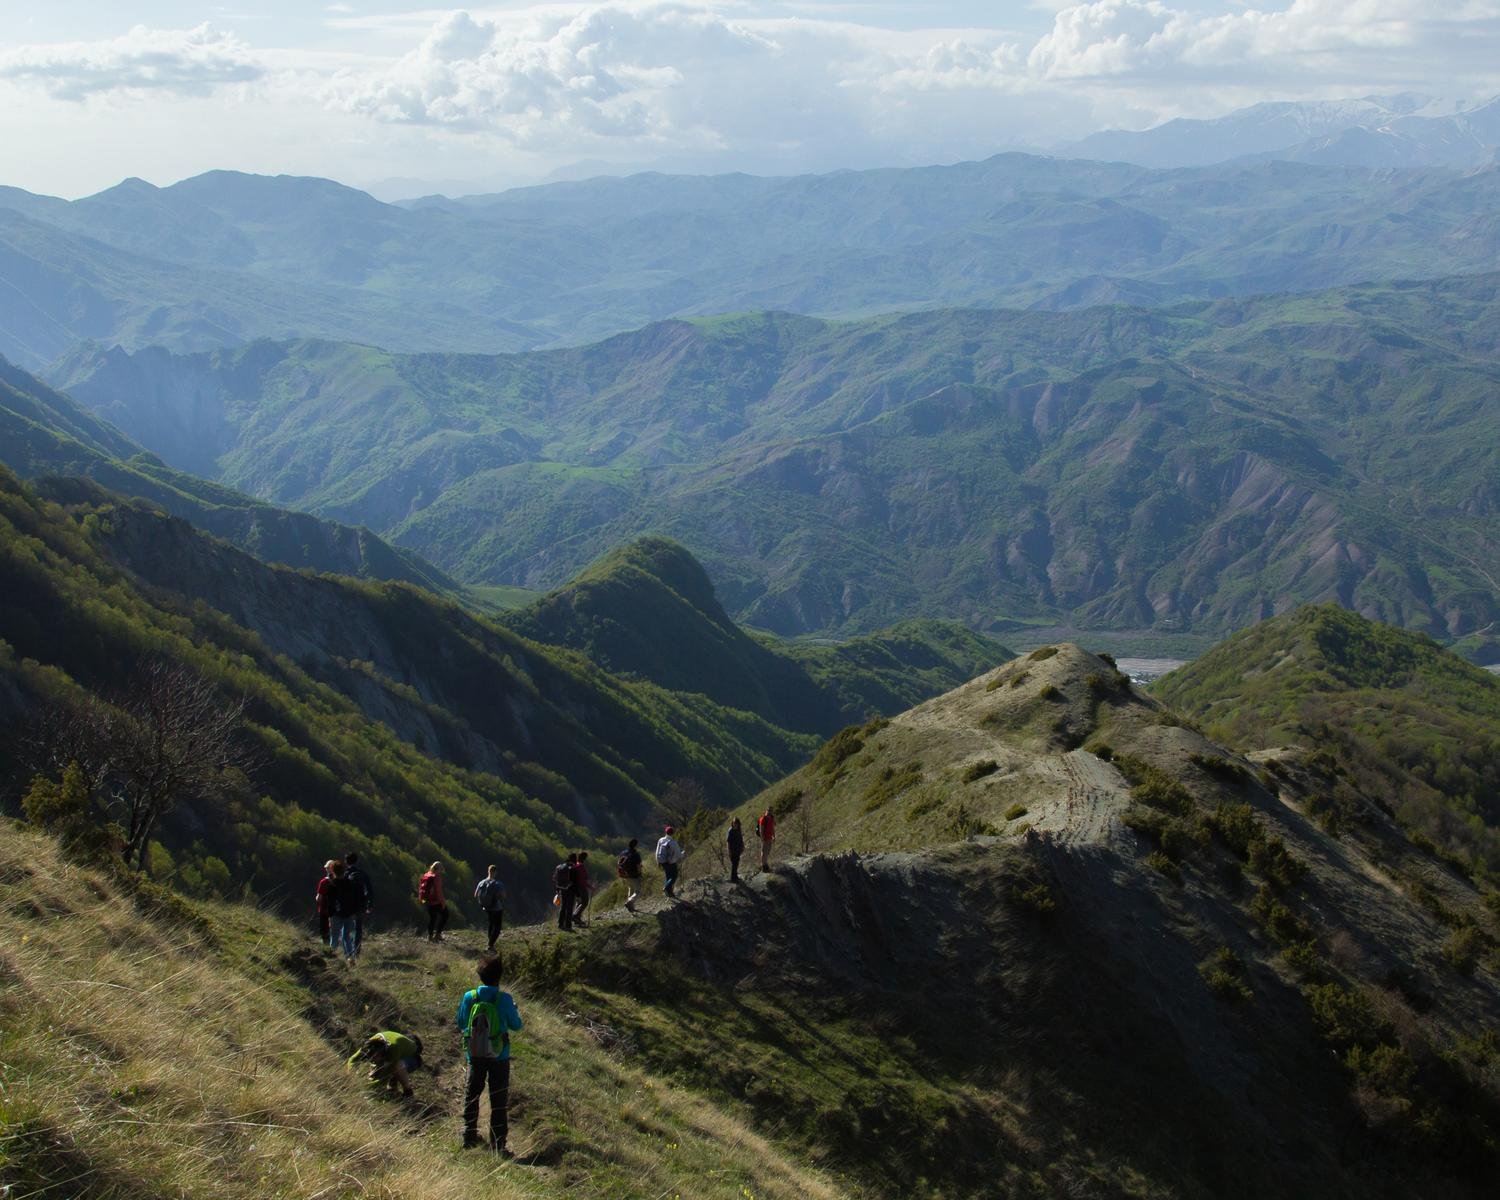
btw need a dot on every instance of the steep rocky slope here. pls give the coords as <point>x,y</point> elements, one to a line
<point>1053,940</point>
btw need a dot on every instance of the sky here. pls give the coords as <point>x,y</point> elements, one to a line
<point>376,92</point>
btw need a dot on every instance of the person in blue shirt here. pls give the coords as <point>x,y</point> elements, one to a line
<point>486,1018</point>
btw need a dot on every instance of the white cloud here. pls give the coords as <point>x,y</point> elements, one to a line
<point>191,62</point>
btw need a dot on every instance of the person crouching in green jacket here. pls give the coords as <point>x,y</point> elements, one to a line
<point>487,1017</point>
<point>392,1057</point>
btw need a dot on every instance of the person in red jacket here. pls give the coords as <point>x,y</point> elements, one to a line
<point>581,887</point>
<point>430,893</point>
<point>323,903</point>
<point>765,829</point>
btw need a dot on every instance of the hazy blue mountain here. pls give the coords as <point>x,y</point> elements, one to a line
<point>43,433</point>
<point>1194,468</point>
<point>224,259</point>
<point>1404,130</point>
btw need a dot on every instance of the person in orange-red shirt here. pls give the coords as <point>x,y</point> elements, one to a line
<point>765,829</point>
<point>430,893</point>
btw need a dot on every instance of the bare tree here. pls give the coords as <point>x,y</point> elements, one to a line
<point>805,823</point>
<point>166,737</point>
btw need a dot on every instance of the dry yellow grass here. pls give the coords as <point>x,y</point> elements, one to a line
<point>144,1058</point>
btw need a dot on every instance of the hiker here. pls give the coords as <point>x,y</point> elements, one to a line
<point>765,829</point>
<point>323,903</point>
<point>581,888</point>
<point>348,903</point>
<point>628,868</point>
<point>562,880</point>
<point>734,841</point>
<point>486,1018</point>
<point>430,893</point>
<point>367,903</point>
<point>669,859</point>
<point>392,1057</point>
<point>490,893</point>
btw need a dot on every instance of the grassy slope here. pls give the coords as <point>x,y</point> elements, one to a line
<point>1408,723</point>
<point>146,1055</point>
<point>354,754</point>
<point>648,609</point>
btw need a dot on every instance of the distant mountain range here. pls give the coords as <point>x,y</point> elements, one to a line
<point>223,259</point>
<point>1194,468</point>
<point>1376,131</point>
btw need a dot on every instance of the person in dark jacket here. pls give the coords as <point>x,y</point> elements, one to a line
<point>490,893</point>
<point>629,868</point>
<point>562,880</point>
<point>734,842</point>
<point>582,889</point>
<point>367,905</point>
<point>487,1051</point>
<point>348,904</point>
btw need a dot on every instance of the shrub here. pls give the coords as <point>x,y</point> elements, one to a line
<point>1277,919</point>
<point>785,802</point>
<point>1227,768</point>
<point>1100,750</point>
<point>1020,679</point>
<point>1015,812</point>
<point>966,824</point>
<point>923,806</point>
<point>1461,948</point>
<point>1343,1016</point>
<point>1041,653</point>
<point>1050,692</point>
<point>1109,658</point>
<point>890,785</point>
<point>1159,862</point>
<point>978,770</point>
<point>1302,957</point>
<point>1235,824</point>
<point>1225,975</point>
<point>838,749</point>
<point>1272,861</point>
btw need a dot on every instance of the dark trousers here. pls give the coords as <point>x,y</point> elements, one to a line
<point>734,867</point>
<point>437,919</point>
<point>565,908</point>
<point>325,927</point>
<point>496,1073</point>
<point>359,933</point>
<point>496,917</point>
<point>670,871</point>
<point>580,903</point>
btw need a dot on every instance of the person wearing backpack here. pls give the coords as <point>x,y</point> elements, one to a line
<point>323,904</point>
<point>490,893</point>
<point>367,904</point>
<point>430,893</point>
<point>348,903</point>
<point>765,829</point>
<point>392,1057</point>
<point>562,880</point>
<point>734,842</point>
<point>628,868</point>
<point>581,888</point>
<point>669,859</point>
<point>486,1018</point>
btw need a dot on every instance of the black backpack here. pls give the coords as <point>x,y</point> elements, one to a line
<point>562,876</point>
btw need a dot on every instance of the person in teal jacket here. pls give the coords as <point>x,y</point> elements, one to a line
<point>486,1018</point>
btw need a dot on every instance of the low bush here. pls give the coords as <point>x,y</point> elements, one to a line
<point>1225,975</point>
<point>978,770</point>
<point>1160,863</point>
<point>1051,692</point>
<point>1041,653</point>
<point>1461,949</point>
<point>1279,921</point>
<point>1015,812</point>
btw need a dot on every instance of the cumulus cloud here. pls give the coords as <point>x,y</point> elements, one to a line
<point>190,62</point>
<point>1309,42</point>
